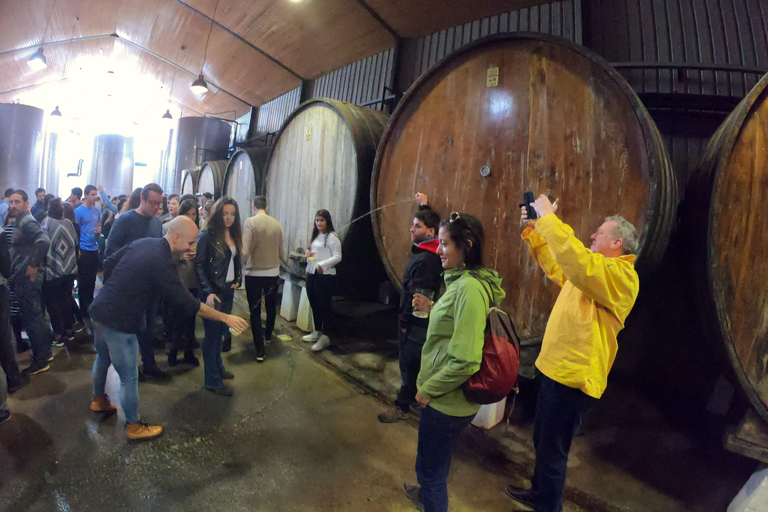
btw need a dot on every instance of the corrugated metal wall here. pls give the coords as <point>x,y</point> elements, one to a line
<point>361,83</point>
<point>244,124</point>
<point>273,114</point>
<point>557,18</point>
<point>728,32</point>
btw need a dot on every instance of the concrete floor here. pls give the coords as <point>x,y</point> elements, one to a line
<point>296,436</point>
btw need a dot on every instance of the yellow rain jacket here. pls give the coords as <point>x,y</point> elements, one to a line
<point>597,294</point>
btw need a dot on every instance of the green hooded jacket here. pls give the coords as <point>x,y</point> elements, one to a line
<point>454,346</point>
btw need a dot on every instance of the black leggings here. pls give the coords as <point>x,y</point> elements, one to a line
<point>320,293</point>
<point>57,295</point>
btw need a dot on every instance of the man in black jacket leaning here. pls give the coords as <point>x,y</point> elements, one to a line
<point>422,272</point>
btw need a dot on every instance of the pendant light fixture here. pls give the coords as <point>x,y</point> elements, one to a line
<point>38,60</point>
<point>199,86</point>
<point>56,112</point>
<point>167,115</point>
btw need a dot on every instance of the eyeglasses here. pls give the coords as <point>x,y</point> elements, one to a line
<point>454,216</point>
<point>153,203</point>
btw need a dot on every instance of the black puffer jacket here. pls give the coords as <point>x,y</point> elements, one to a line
<point>212,263</point>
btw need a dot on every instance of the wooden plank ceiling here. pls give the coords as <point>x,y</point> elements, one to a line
<point>145,53</point>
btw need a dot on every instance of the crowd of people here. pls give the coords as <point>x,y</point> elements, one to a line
<point>175,257</point>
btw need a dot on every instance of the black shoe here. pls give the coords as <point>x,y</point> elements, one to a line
<point>260,358</point>
<point>35,368</point>
<point>227,345</point>
<point>20,383</point>
<point>172,361</point>
<point>5,416</point>
<point>521,495</point>
<point>155,374</point>
<point>222,391</point>
<point>59,341</point>
<point>393,415</point>
<point>413,493</point>
<point>191,360</point>
<point>227,375</point>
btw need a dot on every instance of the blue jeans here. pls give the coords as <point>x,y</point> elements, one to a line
<point>558,413</point>
<point>214,332</point>
<point>30,297</point>
<point>437,433</point>
<point>147,336</point>
<point>120,349</point>
<point>411,344</point>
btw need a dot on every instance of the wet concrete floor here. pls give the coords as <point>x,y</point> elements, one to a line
<point>296,436</point>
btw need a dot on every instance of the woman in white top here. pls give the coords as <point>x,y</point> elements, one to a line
<point>322,257</point>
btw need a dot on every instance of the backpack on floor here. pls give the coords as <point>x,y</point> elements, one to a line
<point>497,375</point>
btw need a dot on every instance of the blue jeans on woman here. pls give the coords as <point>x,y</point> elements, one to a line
<point>120,349</point>
<point>437,433</point>
<point>214,332</point>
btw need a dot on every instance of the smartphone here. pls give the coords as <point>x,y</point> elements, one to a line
<point>528,200</point>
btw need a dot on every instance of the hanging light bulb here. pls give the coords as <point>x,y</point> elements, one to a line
<point>199,86</point>
<point>167,116</point>
<point>56,112</point>
<point>38,61</point>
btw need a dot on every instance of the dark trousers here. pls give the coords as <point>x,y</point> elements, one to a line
<point>255,287</point>
<point>214,331</point>
<point>7,351</point>
<point>182,328</point>
<point>437,434</point>
<point>30,297</point>
<point>558,413</point>
<point>146,336</point>
<point>320,294</point>
<point>57,295</point>
<point>87,268</point>
<point>411,343</point>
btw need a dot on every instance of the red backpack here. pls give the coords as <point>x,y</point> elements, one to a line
<point>497,375</point>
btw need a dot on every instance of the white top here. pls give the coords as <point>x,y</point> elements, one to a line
<point>327,249</point>
<point>231,268</point>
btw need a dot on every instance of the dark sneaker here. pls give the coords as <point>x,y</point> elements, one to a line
<point>521,495</point>
<point>393,416</point>
<point>191,360</point>
<point>267,339</point>
<point>413,493</point>
<point>4,416</point>
<point>155,374</point>
<point>227,375</point>
<point>222,391</point>
<point>23,381</point>
<point>36,368</point>
<point>58,341</point>
<point>260,358</point>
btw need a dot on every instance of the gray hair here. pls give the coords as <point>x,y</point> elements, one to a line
<point>627,232</point>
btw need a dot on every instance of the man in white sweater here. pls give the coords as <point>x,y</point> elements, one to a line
<point>263,251</point>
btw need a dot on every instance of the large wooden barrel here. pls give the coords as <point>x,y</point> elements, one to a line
<point>244,177</point>
<point>322,159</point>
<point>211,177</point>
<point>726,213</point>
<point>189,182</point>
<point>514,113</point>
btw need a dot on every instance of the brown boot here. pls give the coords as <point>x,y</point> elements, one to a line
<point>141,431</point>
<point>103,405</point>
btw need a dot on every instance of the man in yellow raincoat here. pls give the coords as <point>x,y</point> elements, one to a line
<point>599,287</point>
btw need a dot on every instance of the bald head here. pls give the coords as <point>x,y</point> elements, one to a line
<point>182,235</point>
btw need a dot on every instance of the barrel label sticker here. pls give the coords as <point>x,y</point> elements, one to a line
<point>309,132</point>
<point>492,77</point>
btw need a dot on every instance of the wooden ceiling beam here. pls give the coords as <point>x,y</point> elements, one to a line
<point>379,19</point>
<point>242,39</point>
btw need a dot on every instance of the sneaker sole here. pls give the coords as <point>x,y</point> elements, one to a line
<point>142,439</point>
<point>41,370</point>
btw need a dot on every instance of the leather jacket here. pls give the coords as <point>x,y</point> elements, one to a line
<point>212,263</point>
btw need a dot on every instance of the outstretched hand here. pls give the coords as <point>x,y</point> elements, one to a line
<point>421,199</point>
<point>544,206</point>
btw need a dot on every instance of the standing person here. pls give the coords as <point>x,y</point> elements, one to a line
<point>13,377</point>
<point>205,214</point>
<point>183,324</point>
<point>38,209</point>
<point>452,354</point>
<point>60,271</point>
<point>132,225</point>
<point>135,275</point>
<point>423,273</point>
<point>263,251</point>
<point>4,205</point>
<point>599,287</point>
<point>75,197</point>
<point>89,219</point>
<point>69,214</point>
<point>218,269</point>
<point>323,255</point>
<point>173,208</point>
<point>30,246</point>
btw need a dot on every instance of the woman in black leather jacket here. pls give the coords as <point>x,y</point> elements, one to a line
<point>219,270</point>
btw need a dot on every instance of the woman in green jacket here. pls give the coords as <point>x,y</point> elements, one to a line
<point>451,354</point>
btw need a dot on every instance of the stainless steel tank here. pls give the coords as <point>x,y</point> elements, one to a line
<point>198,140</point>
<point>50,169</point>
<point>21,147</point>
<point>112,164</point>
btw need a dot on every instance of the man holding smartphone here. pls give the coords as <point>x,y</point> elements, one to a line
<point>599,287</point>
<point>421,274</point>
